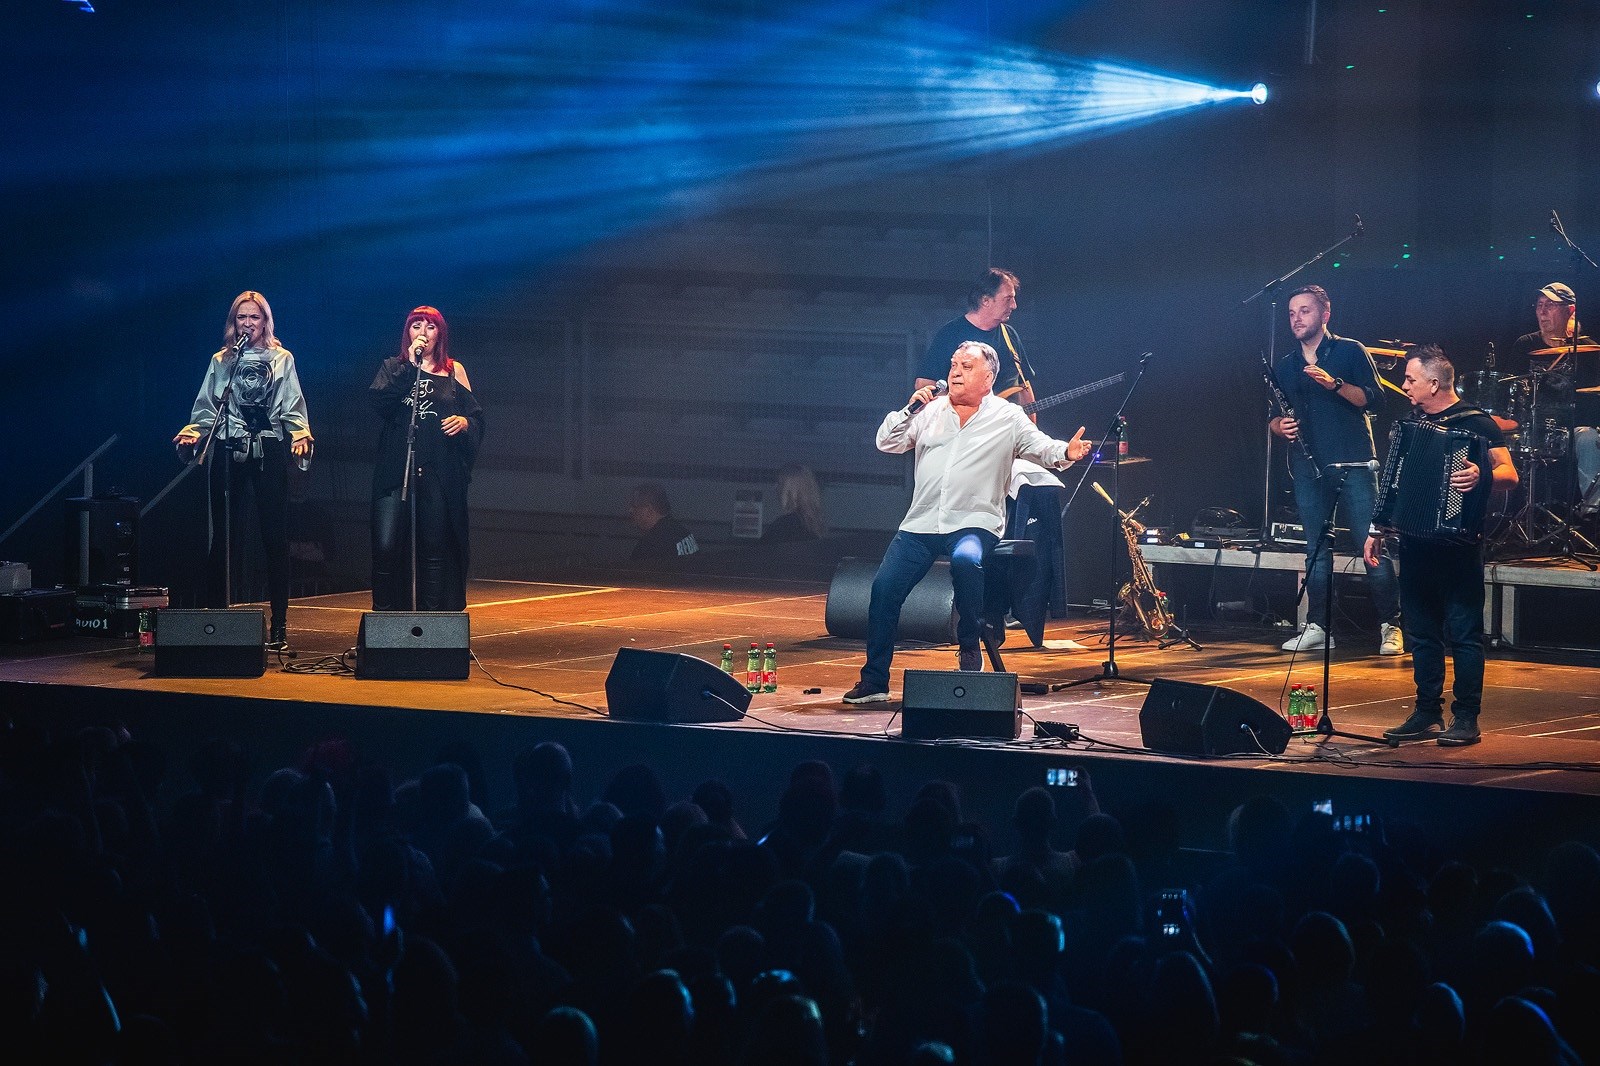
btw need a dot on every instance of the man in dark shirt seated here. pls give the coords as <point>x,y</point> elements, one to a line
<point>1554,353</point>
<point>661,535</point>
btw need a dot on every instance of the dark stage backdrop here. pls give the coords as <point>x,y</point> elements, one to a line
<point>168,156</point>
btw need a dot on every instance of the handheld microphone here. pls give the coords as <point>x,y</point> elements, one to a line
<point>940,387</point>
<point>1370,464</point>
<point>416,349</point>
<point>242,341</point>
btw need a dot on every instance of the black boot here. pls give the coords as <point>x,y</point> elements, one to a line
<point>278,639</point>
<point>1462,731</point>
<point>1421,725</point>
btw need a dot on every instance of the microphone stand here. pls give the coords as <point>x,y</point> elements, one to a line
<point>1325,727</point>
<point>1579,256</point>
<point>1113,439</point>
<point>220,421</point>
<point>1270,290</point>
<point>407,491</point>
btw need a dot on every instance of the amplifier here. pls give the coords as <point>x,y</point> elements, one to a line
<point>114,610</point>
<point>1295,533</point>
<point>1211,542</point>
<point>1222,532</point>
<point>35,614</point>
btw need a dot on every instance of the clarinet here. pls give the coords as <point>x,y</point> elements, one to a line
<point>1281,402</point>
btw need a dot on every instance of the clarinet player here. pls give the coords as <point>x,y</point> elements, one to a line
<point>1332,385</point>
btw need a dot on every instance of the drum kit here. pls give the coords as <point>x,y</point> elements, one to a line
<point>1536,412</point>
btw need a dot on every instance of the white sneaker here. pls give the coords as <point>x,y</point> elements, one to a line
<point>1391,640</point>
<point>1310,638</point>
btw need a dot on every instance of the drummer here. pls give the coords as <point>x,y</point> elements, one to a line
<point>1556,308</point>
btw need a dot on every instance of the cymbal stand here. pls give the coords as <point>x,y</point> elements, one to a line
<point>1537,531</point>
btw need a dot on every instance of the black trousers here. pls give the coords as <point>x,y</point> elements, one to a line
<point>265,481</point>
<point>1441,610</point>
<point>441,584</point>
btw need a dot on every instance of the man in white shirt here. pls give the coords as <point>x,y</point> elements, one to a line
<point>965,443</point>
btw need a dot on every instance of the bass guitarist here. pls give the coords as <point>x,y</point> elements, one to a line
<point>1331,384</point>
<point>1033,506</point>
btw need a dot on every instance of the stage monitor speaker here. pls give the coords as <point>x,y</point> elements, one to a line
<point>665,686</point>
<point>959,703</point>
<point>929,613</point>
<point>1191,719</point>
<point>214,643</point>
<point>414,646</point>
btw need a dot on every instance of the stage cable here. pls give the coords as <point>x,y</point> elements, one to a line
<point>529,688</point>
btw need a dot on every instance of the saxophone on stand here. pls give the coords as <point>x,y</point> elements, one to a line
<point>1146,602</point>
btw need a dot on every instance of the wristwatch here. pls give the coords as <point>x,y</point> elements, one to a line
<point>1338,383</point>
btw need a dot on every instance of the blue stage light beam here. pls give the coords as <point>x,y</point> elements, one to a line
<point>513,140</point>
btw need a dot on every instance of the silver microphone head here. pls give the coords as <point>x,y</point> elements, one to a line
<point>941,387</point>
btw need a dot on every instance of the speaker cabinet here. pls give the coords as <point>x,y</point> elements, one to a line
<point>102,541</point>
<point>215,643</point>
<point>414,646</point>
<point>929,613</point>
<point>664,686</point>
<point>959,703</point>
<point>1190,719</point>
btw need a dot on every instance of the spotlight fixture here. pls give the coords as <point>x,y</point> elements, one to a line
<point>1258,93</point>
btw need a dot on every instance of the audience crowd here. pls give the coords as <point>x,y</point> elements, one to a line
<point>158,913</point>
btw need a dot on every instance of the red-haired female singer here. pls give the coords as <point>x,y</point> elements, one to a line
<point>449,430</point>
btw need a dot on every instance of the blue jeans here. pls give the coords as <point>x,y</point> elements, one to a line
<point>1441,592</point>
<point>908,560</point>
<point>1314,497</point>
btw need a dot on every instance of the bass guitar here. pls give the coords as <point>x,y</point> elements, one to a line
<point>1064,397</point>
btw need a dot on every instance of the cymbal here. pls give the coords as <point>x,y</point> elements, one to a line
<point>1593,389</point>
<point>1393,352</point>
<point>1563,350</point>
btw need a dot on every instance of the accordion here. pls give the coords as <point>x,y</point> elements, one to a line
<point>1414,494</point>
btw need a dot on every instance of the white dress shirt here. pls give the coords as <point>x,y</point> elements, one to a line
<point>963,471</point>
